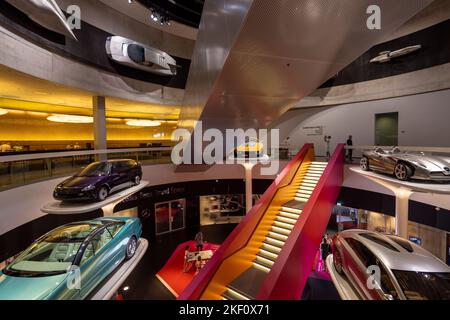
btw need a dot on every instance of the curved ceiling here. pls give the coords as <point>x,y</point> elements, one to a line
<point>187,12</point>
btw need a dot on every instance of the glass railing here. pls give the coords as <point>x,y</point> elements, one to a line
<point>21,169</point>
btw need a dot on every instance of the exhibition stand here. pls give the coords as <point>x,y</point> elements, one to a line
<point>248,164</point>
<point>172,274</point>
<point>108,289</point>
<point>62,207</point>
<point>403,191</point>
<point>343,286</point>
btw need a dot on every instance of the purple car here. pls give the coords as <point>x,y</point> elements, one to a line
<point>98,180</point>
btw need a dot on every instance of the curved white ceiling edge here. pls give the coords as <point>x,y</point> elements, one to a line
<point>140,13</point>
<point>416,82</point>
<point>30,59</point>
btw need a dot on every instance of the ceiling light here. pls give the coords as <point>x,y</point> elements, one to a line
<point>143,123</point>
<point>3,112</point>
<point>64,118</point>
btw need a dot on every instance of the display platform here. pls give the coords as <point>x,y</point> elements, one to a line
<point>61,207</point>
<point>172,275</point>
<point>431,187</point>
<point>343,286</point>
<point>112,284</point>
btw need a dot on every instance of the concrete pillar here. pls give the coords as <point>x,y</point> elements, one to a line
<point>98,106</point>
<point>402,211</point>
<point>248,186</point>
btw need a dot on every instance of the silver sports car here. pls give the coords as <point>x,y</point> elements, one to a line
<point>139,56</point>
<point>386,267</point>
<point>405,166</point>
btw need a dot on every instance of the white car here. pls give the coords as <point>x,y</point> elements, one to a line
<point>387,56</point>
<point>139,56</point>
<point>47,13</point>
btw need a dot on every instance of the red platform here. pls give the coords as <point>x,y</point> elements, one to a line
<point>172,275</point>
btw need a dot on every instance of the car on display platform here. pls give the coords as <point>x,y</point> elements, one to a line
<point>138,56</point>
<point>401,269</point>
<point>98,180</point>
<point>251,149</point>
<point>70,261</point>
<point>405,166</point>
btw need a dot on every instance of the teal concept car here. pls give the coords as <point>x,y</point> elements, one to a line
<point>70,261</point>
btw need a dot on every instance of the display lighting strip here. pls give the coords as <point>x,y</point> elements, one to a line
<point>65,118</point>
<point>142,123</point>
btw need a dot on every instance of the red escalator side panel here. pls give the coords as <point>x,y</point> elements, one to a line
<point>289,274</point>
<point>243,232</point>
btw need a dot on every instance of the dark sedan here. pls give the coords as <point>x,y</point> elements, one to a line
<point>98,180</point>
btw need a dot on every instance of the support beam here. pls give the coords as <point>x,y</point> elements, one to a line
<point>98,106</point>
<point>248,186</point>
<point>402,196</point>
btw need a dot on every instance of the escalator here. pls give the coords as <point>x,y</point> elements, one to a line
<point>270,253</point>
<point>247,285</point>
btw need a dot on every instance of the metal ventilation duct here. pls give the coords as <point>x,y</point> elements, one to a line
<point>253,60</point>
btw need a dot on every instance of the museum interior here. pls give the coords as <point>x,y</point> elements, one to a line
<point>224,150</point>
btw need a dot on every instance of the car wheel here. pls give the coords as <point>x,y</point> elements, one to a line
<point>131,248</point>
<point>364,164</point>
<point>337,262</point>
<point>102,193</point>
<point>137,180</point>
<point>402,171</point>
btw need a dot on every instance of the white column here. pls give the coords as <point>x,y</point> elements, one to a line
<point>248,186</point>
<point>98,106</point>
<point>402,196</point>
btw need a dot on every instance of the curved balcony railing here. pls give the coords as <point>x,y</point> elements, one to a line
<point>21,169</point>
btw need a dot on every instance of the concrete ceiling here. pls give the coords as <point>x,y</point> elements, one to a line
<point>140,13</point>
<point>256,59</point>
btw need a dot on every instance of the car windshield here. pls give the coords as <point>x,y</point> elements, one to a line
<point>136,53</point>
<point>424,285</point>
<point>95,169</point>
<point>53,254</point>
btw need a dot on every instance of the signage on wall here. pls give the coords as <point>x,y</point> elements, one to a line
<point>313,131</point>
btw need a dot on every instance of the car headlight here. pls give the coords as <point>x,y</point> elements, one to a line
<point>89,188</point>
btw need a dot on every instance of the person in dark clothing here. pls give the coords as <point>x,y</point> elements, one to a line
<point>350,151</point>
<point>199,241</point>
<point>325,250</point>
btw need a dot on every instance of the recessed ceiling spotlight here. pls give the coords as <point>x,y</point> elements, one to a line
<point>3,112</point>
<point>65,118</point>
<point>130,1</point>
<point>143,123</point>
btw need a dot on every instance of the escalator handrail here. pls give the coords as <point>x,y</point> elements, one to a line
<point>285,281</point>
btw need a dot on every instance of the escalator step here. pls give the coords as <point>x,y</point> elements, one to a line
<point>267,254</point>
<point>289,215</point>
<point>283,225</point>
<point>264,261</point>
<point>274,242</point>
<point>286,220</point>
<point>270,247</point>
<point>280,231</point>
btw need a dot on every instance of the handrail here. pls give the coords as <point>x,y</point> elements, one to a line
<point>62,154</point>
<point>289,274</point>
<point>246,228</point>
<point>403,148</point>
